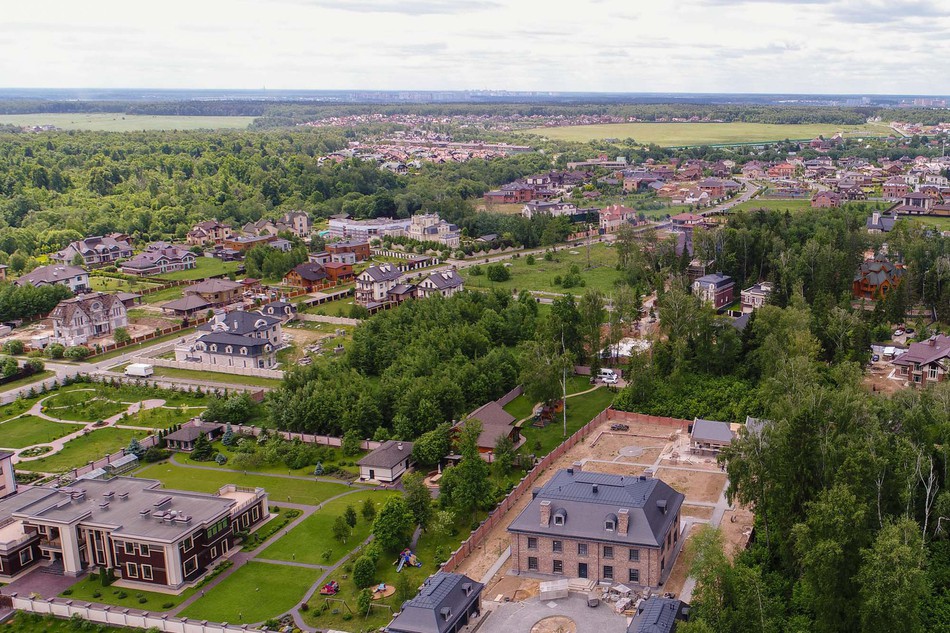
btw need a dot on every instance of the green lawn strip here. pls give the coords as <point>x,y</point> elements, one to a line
<point>16,407</point>
<point>331,456</point>
<point>212,376</point>
<point>84,449</point>
<point>164,296</point>
<point>521,407</point>
<point>314,535</point>
<point>279,489</point>
<point>23,622</point>
<point>138,346</point>
<point>254,593</point>
<point>580,411</point>
<point>205,267</point>
<point>338,307</point>
<point>160,418</point>
<point>28,430</point>
<point>19,382</point>
<point>85,590</point>
<point>114,284</point>
<point>84,406</point>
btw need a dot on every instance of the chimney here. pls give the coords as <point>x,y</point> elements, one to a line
<point>399,446</point>
<point>875,218</point>
<point>578,467</point>
<point>594,489</point>
<point>545,513</point>
<point>623,521</point>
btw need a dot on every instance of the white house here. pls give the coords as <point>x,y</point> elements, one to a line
<point>73,277</point>
<point>236,339</point>
<point>85,317</point>
<point>445,283</point>
<point>387,463</point>
<point>374,283</point>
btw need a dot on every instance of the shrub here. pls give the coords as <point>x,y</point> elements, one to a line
<point>96,593</point>
<point>121,335</point>
<point>143,600</point>
<point>13,347</point>
<point>55,351</point>
<point>122,595</point>
<point>304,607</point>
<point>68,592</point>
<point>364,572</point>
<point>529,260</point>
<point>498,273</point>
<point>79,352</point>
<point>168,605</point>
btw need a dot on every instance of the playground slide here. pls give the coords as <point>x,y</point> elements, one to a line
<point>402,561</point>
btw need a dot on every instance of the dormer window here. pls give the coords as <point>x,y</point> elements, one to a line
<point>560,516</point>
<point>610,522</point>
<point>228,350</point>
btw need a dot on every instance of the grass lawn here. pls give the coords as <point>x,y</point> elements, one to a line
<point>540,276</point>
<point>678,134</point>
<point>37,377</point>
<point>164,296</point>
<point>521,407</point>
<point>84,449</point>
<point>121,122</point>
<point>940,224</point>
<point>280,489</point>
<point>23,622</point>
<point>81,405</point>
<point>314,535</point>
<point>339,307</point>
<point>213,376</point>
<point>86,589</point>
<point>772,204</point>
<point>329,456</point>
<point>204,267</point>
<point>139,346</point>
<point>29,430</point>
<point>16,407</point>
<point>114,284</point>
<point>254,593</point>
<point>580,411</point>
<point>161,418</point>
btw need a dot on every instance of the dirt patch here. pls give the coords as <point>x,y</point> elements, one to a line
<point>555,624</point>
<point>614,468</point>
<point>736,528</point>
<point>613,444</point>
<point>697,486</point>
<point>697,512</point>
<point>876,379</point>
<point>684,561</point>
<point>512,587</point>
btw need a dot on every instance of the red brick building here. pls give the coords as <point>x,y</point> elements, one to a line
<point>360,248</point>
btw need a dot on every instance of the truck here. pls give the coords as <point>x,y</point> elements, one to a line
<point>139,370</point>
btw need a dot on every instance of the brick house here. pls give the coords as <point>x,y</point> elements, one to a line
<point>716,290</point>
<point>782,170</point>
<point>338,272</point>
<point>875,278</point>
<point>208,232</point>
<point>88,316</point>
<point>615,216</point>
<point>360,248</point>
<point>308,275</point>
<point>925,363</point>
<point>916,203</point>
<point>603,527</point>
<point>826,200</point>
<point>895,188</point>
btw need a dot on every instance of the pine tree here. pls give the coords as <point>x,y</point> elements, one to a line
<point>228,438</point>
<point>202,450</point>
<point>135,448</point>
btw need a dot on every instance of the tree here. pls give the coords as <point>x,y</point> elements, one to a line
<point>79,352</point>
<point>498,273</point>
<point>503,457</point>
<point>542,369</point>
<point>9,367</point>
<point>892,579</point>
<point>202,449</point>
<point>429,449</point>
<point>341,529</point>
<point>418,499</point>
<point>77,260</point>
<point>467,486</point>
<point>350,515</point>
<point>135,448</point>
<point>363,601</point>
<point>393,524</point>
<point>404,589</point>
<point>368,510</point>
<point>13,347</point>
<point>228,438</point>
<point>352,445</point>
<point>121,335</point>
<point>55,350</point>
<point>364,571</point>
<point>593,314</point>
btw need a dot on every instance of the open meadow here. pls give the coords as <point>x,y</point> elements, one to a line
<point>677,134</point>
<point>119,122</point>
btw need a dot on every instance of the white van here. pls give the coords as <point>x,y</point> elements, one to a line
<point>607,376</point>
<point>139,370</point>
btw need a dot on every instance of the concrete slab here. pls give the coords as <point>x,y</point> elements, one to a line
<point>519,617</point>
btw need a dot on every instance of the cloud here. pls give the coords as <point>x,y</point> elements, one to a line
<point>404,7</point>
<point>886,13</point>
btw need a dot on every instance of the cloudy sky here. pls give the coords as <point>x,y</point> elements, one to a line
<point>812,46</point>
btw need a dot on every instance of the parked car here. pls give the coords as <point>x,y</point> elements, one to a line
<point>898,332</point>
<point>619,427</point>
<point>875,358</point>
<point>909,331</point>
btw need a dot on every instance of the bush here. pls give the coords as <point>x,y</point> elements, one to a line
<point>79,352</point>
<point>55,351</point>
<point>364,572</point>
<point>121,335</point>
<point>155,454</point>
<point>13,347</point>
<point>498,273</point>
<point>304,607</point>
<point>143,600</point>
<point>168,605</point>
<point>529,260</point>
<point>476,270</point>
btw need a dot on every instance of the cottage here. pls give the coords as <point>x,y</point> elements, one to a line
<point>609,528</point>
<point>216,292</point>
<point>658,615</point>
<point>159,259</point>
<point>925,363</point>
<point>686,220</point>
<point>95,251</point>
<point>359,248</point>
<point>709,435</point>
<point>374,284</point>
<point>308,275</point>
<point>755,296</point>
<point>187,306</point>
<point>236,339</point>
<point>338,272</point>
<point>208,232</point>
<point>85,317</point>
<point>615,216</point>
<point>429,227</point>
<point>446,603</point>
<point>875,278</point>
<point>386,463</point>
<point>184,438</point>
<point>445,283</point>
<point>880,223</point>
<point>496,423</point>
<point>826,200</point>
<point>73,277</point>
<point>716,290</point>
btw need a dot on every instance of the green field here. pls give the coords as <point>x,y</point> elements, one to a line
<point>19,382</point>
<point>677,134</point>
<point>82,405</point>
<point>161,418</point>
<point>772,204</point>
<point>212,376</point>
<point>254,593</point>
<point>114,284</point>
<point>29,430</point>
<point>118,122</point>
<point>940,224</point>
<point>83,449</point>
<point>540,275</point>
<point>204,267</point>
<point>87,588</point>
<point>580,411</point>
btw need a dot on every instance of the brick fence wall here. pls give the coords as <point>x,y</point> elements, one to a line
<point>306,438</point>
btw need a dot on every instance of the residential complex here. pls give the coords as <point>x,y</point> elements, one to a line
<point>429,227</point>
<point>158,259</point>
<point>94,251</point>
<point>209,232</point>
<point>347,228</point>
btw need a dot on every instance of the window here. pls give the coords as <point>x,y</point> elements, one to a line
<point>26,555</point>
<point>932,375</point>
<point>218,527</point>
<point>582,549</point>
<point>608,572</point>
<point>663,563</point>
<point>256,513</point>
<point>532,542</point>
<point>190,565</point>
<point>609,525</point>
<point>557,546</point>
<point>129,548</point>
<point>608,551</point>
<point>214,552</point>
<point>131,570</point>
<point>532,563</point>
<point>146,572</point>
<point>187,544</point>
<point>635,555</point>
<point>558,519</point>
<point>143,549</point>
<point>634,575</point>
<point>558,567</point>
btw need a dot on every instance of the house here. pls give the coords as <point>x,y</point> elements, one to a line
<point>755,296</point>
<point>446,603</point>
<point>227,254</point>
<point>916,203</point>
<point>608,528</point>
<point>95,251</point>
<point>386,463</point>
<point>782,170</point>
<point>73,277</point>
<point>85,317</point>
<point>686,220</point>
<point>208,232</point>
<point>244,243</point>
<point>444,283</point>
<point>429,227</point>
<point>280,309</point>
<point>826,200</point>
<point>895,188</point>
<point>184,438</point>
<point>496,423</point>
<point>374,283</point>
<point>658,615</point>
<point>709,435</point>
<point>216,292</point>
<point>716,290</point>
<point>512,193</point>
<point>925,363</point>
<point>297,222</point>
<point>338,272</point>
<point>235,339</point>
<point>282,245</point>
<point>880,223</point>
<point>187,306</point>
<point>554,209</point>
<point>150,537</point>
<point>158,259</point>
<point>308,275</point>
<point>319,258</point>
<point>875,278</point>
<point>359,248</point>
<point>615,216</point>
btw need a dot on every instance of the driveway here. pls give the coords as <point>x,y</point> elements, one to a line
<point>519,617</point>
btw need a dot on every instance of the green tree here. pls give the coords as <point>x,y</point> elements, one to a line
<point>503,456</point>
<point>418,499</point>
<point>364,599</point>
<point>467,486</point>
<point>542,370</point>
<point>202,449</point>
<point>892,579</point>
<point>498,273</point>
<point>352,444</point>
<point>393,524</point>
<point>121,335</point>
<point>13,347</point>
<point>368,510</point>
<point>228,439</point>
<point>78,260</point>
<point>404,589</point>
<point>364,571</point>
<point>135,448</point>
<point>341,529</point>
<point>429,449</point>
<point>350,516</point>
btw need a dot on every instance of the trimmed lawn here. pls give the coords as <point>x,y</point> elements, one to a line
<point>115,284</point>
<point>29,430</point>
<point>307,542</point>
<point>521,407</point>
<point>164,296</point>
<point>339,307</point>
<point>16,407</point>
<point>254,593</point>
<point>84,406</point>
<point>139,346</point>
<point>84,449</point>
<point>280,489</point>
<point>330,456</point>
<point>85,589</point>
<point>540,276</point>
<point>580,411</point>
<point>231,379</point>
<point>161,418</point>
<point>204,267</point>
<point>37,377</point>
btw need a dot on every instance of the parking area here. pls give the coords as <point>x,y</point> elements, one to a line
<point>521,617</point>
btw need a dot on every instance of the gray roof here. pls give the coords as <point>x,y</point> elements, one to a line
<point>240,322</point>
<point>213,285</point>
<point>443,600</point>
<point>885,223</point>
<point>933,350</point>
<point>388,272</point>
<point>586,510</point>
<point>658,615</point>
<point>877,271</point>
<point>711,431</point>
<point>388,455</point>
<point>445,279</point>
<point>186,303</point>
<point>191,433</point>
<point>720,280</point>
<point>492,413</point>
<point>50,275</point>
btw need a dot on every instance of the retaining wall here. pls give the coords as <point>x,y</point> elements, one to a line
<point>220,369</point>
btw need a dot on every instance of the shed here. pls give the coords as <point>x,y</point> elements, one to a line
<point>386,463</point>
<point>184,438</point>
<point>710,435</point>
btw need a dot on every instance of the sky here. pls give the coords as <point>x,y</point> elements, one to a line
<point>794,46</point>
